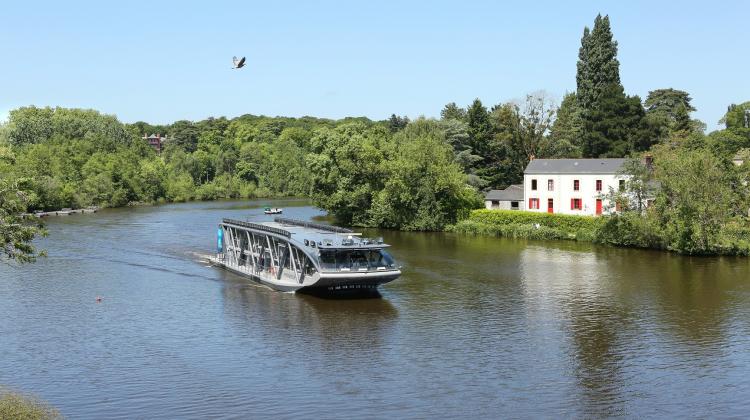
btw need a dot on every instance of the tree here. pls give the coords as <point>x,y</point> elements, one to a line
<point>565,137</point>
<point>347,170</point>
<point>737,116</point>
<point>184,135</point>
<point>670,109</point>
<point>480,128</point>
<point>668,102</point>
<point>424,188</point>
<point>727,142</point>
<point>38,125</point>
<point>397,123</point>
<point>536,115</point>
<point>452,111</point>
<point>597,66</point>
<point>616,127</point>
<point>690,215</point>
<point>17,231</point>
<point>519,131</point>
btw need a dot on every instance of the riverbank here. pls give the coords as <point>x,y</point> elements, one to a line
<point>628,230</point>
<point>14,405</point>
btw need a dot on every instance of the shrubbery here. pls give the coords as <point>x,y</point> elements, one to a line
<point>21,407</point>
<point>530,225</point>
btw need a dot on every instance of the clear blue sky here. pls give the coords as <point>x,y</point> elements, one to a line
<point>163,61</point>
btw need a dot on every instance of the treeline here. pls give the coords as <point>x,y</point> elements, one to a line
<point>388,173</point>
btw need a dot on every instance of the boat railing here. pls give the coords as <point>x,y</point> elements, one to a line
<point>258,226</point>
<point>354,268</point>
<point>318,226</point>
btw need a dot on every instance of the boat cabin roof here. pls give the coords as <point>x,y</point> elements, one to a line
<point>313,235</point>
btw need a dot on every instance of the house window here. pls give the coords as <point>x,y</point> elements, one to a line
<point>622,185</point>
<point>576,185</point>
<point>598,184</point>
<point>550,205</point>
<point>533,204</point>
<point>575,204</point>
<point>495,204</point>
<point>533,185</point>
<point>514,205</point>
<point>598,206</point>
<point>550,185</point>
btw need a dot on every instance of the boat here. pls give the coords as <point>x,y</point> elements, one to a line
<point>293,255</point>
<point>274,210</point>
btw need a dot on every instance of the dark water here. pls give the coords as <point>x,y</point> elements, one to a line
<point>476,327</point>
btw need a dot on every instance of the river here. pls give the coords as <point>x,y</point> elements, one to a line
<point>475,327</point>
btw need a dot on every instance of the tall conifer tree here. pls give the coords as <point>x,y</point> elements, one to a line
<point>597,62</point>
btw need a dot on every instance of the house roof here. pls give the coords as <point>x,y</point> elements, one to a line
<point>574,166</point>
<point>512,193</point>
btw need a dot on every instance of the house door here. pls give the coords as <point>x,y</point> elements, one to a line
<point>550,206</point>
<point>598,206</point>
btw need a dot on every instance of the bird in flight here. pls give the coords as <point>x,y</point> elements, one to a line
<point>238,63</point>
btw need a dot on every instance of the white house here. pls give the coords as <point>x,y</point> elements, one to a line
<point>571,186</point>
<point>510,198</point>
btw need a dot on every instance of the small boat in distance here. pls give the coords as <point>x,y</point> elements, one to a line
<point>274,210</point>
<point>291,255</point>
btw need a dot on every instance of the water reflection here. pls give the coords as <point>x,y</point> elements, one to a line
<point>319,328</point>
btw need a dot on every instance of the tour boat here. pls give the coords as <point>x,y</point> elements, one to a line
<point>274,210</point>
<point>293,255</point>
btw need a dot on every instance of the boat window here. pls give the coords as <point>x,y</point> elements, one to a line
<point>327,260</point>
<point>387,258</point>
<point>355,259</point>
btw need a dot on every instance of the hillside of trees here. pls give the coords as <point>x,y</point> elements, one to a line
<point>416,175</point>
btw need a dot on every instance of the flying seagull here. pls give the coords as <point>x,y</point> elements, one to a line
<point>238,64</point>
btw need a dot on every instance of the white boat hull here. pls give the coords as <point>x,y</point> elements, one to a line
<point>325,281</point>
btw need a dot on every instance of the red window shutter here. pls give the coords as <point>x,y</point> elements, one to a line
<point>572,203</point>
<point>531,200</point>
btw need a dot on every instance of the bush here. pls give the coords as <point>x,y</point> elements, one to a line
<point>21,407</point>
<point>562,222</point>
<point>529,225</point>
<point>628,229</point>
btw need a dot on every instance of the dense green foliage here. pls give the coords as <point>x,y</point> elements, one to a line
<point>16,229</point>
<point>616,126</point>
<point>529,225</point>
<point>494,146</point>
<point>687,216</point>
<point>351,167</point>
<point>598,67</point>
<point>408,181</point>
<point>567,131</point>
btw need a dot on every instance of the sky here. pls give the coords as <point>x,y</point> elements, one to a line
<point>162,61</point>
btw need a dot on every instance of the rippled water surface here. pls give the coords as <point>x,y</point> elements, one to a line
<point>476,327</point>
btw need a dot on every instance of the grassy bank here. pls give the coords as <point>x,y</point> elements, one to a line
<point>529,225</point>
<point>22,407</point>
<point>629,230</point>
